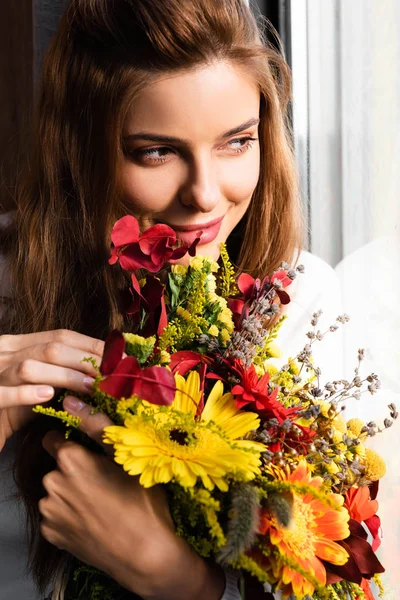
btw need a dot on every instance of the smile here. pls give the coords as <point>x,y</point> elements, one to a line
<point>207,231</point>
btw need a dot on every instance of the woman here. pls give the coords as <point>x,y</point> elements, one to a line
<point>174,111</point>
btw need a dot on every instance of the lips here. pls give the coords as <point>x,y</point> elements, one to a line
<point>207,231</point>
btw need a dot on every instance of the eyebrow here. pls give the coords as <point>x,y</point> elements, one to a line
<point>167,139</point>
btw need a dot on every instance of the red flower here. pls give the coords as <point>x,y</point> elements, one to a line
<point>125,377</point>
<point>254,288</point>
<point>255,391</point>
<point>149,250</point>
<point>150,298</point>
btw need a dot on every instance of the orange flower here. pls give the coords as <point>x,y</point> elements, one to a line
<point>309,537</point>
<point>359,504</point>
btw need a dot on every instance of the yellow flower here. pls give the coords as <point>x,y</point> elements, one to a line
<point>165,357</point>
<point>225,317</point>
<point>355,426</point>
<point>183,313</point>
<point>225,335</point>
<point>213,330</point>
<point>215,299</point>
<point>271,368</point>
<point>340,424</point>
<point>294,366</point>
<point>273,350</point>
<point>317,520</point>
<point>259,370</point>
<point>199,262</point>
<point>178,270</point>
<point>162,444</point>
<point>211,283</point>
<point>375,465</point>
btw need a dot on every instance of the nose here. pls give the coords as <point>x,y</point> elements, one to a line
<point>201,189</point>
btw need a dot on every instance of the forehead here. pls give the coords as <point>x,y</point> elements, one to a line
<point>196,103</point>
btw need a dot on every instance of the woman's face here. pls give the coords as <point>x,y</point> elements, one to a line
<point>191,153</point>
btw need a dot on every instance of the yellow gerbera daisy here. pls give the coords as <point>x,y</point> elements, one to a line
<point>316,522</point>
<point>162,444</point>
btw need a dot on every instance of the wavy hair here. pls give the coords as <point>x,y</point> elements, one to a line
<point>102,54</point>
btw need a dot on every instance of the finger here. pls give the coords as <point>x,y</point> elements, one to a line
<point>25,395</point>
<point>92,423</point>
<point>32,371</point>
<point>14,343</point>
<point>53,353</point>
<point>53,441</point>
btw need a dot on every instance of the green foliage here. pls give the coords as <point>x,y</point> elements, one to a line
<point>138,346</point>
<point>70,421</point>
<point>87,583</point>
<point>195,514</point>
<point>343,590</point>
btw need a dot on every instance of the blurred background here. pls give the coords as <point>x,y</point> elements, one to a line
<point>345,60</point>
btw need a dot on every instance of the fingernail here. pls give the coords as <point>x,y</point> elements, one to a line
<point>73,405</point>
<point>44,392</point>
<point>88,383</point>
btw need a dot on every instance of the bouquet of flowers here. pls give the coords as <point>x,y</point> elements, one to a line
<point>262,472</point>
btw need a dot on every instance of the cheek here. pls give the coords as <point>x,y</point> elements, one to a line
<point>240,180</point>
<point>148,190</point>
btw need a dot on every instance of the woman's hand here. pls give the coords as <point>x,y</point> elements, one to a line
<point>32,365</point>
<point>104,517</point>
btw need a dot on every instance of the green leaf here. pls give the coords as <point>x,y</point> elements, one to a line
<point>175,289</point>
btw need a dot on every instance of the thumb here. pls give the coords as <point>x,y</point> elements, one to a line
<point>92,422</point>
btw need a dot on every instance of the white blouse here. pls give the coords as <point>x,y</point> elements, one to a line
<point>317,289</point>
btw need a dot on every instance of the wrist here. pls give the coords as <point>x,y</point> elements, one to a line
<point>178,574</point>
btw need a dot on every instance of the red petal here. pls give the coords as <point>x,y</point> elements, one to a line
<point>113,351</point>
<point>236,306</point>
<point>152,293</point>
<point>157,233</point>
<point>119,383</point>
<point>214,376</point>
<point>373,489</point>
<point>114,257</point>
<point>202,373</point>
<point>129,302</point>
<point>177,254</point>
<point>132,258</point>
<point>374,525</point>
<point>283,296</point>
<point>245,284</point>
<point>363,554</point>
<point>350,571</point>
<point>156,385</point>
<point>237,390</point>
<point>125,231</point>
<point>163,322</point>
<point>193,247</point>
<point>135,284</point>
<point>161,252</point>
<point>185,360</point>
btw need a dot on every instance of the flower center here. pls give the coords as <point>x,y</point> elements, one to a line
<point>179,436</point>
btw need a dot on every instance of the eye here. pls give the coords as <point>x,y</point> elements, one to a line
<point>151,156</point>
<point>242,144</point>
